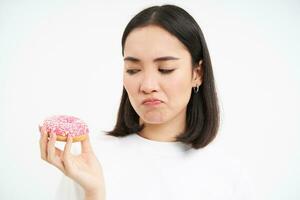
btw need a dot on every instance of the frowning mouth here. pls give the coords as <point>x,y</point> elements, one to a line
<point>151,101</point>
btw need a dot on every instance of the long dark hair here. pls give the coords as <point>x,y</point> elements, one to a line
<point>202,117</point>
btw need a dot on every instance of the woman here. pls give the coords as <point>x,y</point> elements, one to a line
<point>167,117</point>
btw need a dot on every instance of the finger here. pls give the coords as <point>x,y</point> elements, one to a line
<point>67,151</point>
<point>86,145</point>
<point>67,156</point>
<point>43,144</point>
<point>51,148</point>
<point>58,152</point>
<point>58,162</point>
<point>54,153</point>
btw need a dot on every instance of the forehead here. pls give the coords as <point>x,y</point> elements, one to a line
<point>151,42</point>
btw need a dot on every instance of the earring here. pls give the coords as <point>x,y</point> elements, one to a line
<point>196,89</point>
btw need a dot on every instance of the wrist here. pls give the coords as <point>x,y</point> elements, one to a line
<point>94,195</point>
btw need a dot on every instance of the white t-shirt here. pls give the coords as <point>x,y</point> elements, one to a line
<point>137,168</point>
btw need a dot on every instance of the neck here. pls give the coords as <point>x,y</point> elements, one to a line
<point>166,131</point>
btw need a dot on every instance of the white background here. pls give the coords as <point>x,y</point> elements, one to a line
<point>64,57</point>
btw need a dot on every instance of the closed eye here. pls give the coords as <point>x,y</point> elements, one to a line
<point>166,71</point>
<point>163,71</point>
<point>132,71</point>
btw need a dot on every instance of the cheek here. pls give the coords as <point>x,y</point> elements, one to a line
<point>129,85</point>
<point>131,88</point>
<point>178,89</point>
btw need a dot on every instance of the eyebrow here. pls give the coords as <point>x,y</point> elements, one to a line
<point>164,58</point>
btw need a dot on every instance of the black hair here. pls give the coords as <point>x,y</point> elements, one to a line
<point>202,114</point>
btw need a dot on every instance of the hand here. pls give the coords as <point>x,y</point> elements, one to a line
<point>85,169</point>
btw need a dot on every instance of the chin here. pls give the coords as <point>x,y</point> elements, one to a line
<point>153,120</point>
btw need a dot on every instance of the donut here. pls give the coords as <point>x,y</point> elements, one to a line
<point>64,125</point>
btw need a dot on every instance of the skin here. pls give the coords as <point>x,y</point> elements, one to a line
<point>145,79</point>
<point>162,122</point>
<point>84,168</point>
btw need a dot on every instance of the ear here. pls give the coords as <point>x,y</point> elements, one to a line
<point>198,74</point>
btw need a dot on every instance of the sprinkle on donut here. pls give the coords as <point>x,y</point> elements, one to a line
<point>64,125</point>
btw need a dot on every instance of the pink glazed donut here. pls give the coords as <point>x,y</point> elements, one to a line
<point>64,125</point>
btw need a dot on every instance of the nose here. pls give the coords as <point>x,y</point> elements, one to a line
<point>149,83</point>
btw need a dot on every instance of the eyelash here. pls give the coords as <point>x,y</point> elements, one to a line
<point>163,71</point>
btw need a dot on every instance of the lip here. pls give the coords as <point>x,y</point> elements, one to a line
<point>151,101</point>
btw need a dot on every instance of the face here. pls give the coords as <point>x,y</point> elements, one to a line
<point>157,65</point>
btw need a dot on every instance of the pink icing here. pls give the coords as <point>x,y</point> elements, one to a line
<point>65,125</point>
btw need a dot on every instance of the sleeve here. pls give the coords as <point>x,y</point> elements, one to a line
<point>244,188</point>
<point>69,190</point>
